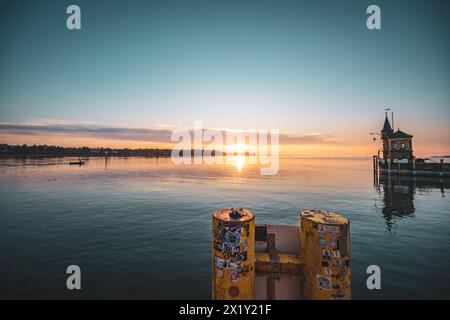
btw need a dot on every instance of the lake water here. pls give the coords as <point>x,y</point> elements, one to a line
<point>141,228</point>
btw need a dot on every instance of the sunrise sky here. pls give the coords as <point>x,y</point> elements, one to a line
<point>138,69</point>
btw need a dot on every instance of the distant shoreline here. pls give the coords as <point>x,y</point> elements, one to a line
<point>45,151</point>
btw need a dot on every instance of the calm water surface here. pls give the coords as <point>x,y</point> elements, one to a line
<point>140,228</point>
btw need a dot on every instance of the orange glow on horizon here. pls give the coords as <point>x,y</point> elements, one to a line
<point>357,149</point>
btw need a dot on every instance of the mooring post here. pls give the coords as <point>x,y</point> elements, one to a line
<point>373,164</point>
<point>233,254</point>
<point>389,163</point>
<point>376,169</point>
<point>378,165</point>
<point>325,248</point>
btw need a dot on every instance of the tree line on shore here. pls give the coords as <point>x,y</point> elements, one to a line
<point>45,150</point>
<point>58,151</point>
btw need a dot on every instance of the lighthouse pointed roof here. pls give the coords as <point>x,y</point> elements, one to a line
<point>387,129</point>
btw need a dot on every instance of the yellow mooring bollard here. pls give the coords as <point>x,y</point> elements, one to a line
<point>325,248</point>
<point>233,254</point>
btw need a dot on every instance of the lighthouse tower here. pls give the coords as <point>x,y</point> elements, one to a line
<point>386,132</point>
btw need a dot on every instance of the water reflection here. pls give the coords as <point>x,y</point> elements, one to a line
<point>398,193</point>
<point>239,162</point>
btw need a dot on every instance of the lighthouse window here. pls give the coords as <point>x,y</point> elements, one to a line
<point>403,145</point>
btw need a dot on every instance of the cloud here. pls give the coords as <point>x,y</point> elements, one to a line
<point>311,138</point>
<point>114,133</point>
<point>161,134</point>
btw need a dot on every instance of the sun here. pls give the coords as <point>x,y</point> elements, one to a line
<point>239,148</point>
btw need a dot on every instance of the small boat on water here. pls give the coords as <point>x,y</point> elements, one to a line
<point>79,163</point>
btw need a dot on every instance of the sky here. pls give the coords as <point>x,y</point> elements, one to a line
<point>138,69</point>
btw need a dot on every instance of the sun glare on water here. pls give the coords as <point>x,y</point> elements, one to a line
<point>238,151</point>
<point>239,162</point>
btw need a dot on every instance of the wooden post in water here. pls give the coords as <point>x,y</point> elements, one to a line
<point>233,254</point>
<point>376,168</point>
<point>375,165</point>
<point>389,163</point>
